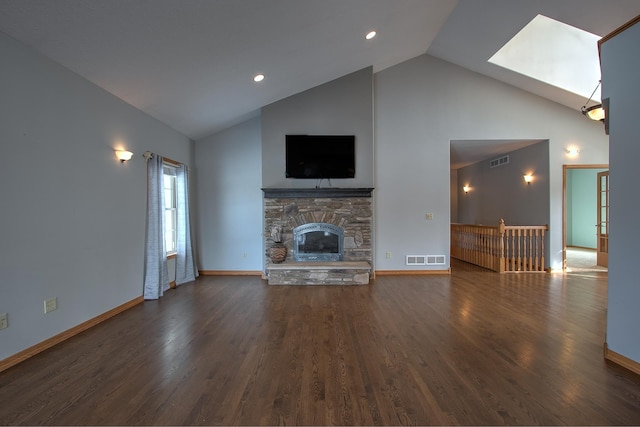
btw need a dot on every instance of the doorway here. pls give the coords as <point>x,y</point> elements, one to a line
<point>581,217</point>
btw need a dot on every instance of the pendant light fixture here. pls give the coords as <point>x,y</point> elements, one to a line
<point>595,112</point>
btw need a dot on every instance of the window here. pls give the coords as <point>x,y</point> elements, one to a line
<point>170,209</point>
<point>554,53</point>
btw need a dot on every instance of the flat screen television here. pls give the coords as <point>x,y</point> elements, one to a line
<point>320,156</point>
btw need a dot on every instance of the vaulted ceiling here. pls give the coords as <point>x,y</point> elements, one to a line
<point>191,63</point>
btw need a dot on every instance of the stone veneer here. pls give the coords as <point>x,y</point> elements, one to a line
<point>349,208</point>
<point>320,273</point>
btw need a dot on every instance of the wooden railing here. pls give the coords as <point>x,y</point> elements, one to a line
<point>503,248</point>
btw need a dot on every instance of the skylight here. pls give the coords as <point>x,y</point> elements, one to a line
<point>554,53</point>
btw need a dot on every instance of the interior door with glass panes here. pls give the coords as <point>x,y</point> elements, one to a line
<point>603,219</point>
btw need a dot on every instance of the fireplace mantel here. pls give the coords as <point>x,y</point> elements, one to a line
<point>328,192</point>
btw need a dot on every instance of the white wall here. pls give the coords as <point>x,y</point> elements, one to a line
<point>342,106</point>
<point>229,230</point>
<point>423,104</point>
<point>73,217</point>
<point>620,71</point>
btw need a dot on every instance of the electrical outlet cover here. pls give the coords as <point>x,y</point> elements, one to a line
<point>50,305</point>
<point>4,321</point>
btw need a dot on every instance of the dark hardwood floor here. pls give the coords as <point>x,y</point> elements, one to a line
<point>473,348</point>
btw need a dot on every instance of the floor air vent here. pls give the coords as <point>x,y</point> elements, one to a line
<point>500,161</point>
<point>435,260</point>
<point>416,260</point>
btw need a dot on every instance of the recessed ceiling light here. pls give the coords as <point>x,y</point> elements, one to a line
<point>258,78</point>
<point>370,35</point>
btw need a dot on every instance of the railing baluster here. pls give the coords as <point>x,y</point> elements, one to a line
<point>541,251</point>
<point>536,258</point>
<point>501,248</point>
<point>502,267</point>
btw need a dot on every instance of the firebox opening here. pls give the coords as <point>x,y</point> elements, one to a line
<point>318,242</point>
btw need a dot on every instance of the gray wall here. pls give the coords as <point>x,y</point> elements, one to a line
<point>582,216</point>
<point>620,71</point>
<point>501,192</point>
<point>424,103</point>
<point>229,199</point>
<point>73,217</point>
<point>342,106</point>
<point>233,165</point>
<point>420,106</point>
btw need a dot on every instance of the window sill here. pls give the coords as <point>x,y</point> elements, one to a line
<point>171,255</point>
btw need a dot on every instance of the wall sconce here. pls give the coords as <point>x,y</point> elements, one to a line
<point>123,155</point>
<point>528,178</point>
<point>466,189</point>
<point>573,152</point>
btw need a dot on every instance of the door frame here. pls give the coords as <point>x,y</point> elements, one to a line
<point>564,204</point>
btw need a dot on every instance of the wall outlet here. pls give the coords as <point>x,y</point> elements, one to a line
<point>429,216</point>
<point>50,305</point>
<point>388,255</point>
<point>4,320</point>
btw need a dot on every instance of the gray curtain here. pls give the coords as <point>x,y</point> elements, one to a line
<point>156,275</point>
<point>186,270</point>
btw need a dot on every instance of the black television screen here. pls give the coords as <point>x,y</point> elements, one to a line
<point>320,156</point>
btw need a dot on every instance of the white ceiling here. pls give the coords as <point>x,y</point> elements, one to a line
<point>190,63</point>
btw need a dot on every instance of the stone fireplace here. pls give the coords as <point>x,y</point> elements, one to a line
<point>332,226</point>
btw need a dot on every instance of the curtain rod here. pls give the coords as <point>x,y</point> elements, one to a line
<point>148,154</point>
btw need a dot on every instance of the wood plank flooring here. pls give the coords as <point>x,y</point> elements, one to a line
<point>473,348</point>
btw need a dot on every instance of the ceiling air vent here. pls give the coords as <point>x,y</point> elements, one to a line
<point>435,260</point>
<point>416,260</point>
<point>500,161</point>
